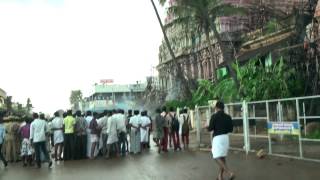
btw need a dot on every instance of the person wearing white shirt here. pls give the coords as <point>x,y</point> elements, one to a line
<point>58,138</point>
<point>103,124</point>
<point>2,137</point>
<point>135,124</point>
<point>184,127</point>
<point>112,134</point>
<point>38,130</point>
<point>122,131</point>
<point>88,120</point>
<point>144,130</point>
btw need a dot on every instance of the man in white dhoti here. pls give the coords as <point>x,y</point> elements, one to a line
<point>112,142</point>
<point>144,130</point>
<point>88,120</point>
<point>184,127</point>
<point>58,137</point>
<point>94,135</point>
<point>122,132</point>
<point>135,124</point>
<point>103,123</point>
<point>221,125</point>
<point>26,146</point>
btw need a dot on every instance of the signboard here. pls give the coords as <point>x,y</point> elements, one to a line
<point>286,128</point>
<point>106,81</point>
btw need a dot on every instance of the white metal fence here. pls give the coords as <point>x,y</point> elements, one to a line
<point>251,119</point>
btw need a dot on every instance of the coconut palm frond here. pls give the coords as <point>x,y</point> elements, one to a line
<point>180,11</point>
<point>226,10</point>
<point>162,2</point>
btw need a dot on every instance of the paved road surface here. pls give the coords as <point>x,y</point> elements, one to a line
<point>171,166</point>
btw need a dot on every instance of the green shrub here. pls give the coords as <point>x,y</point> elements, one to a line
<point>176,104</point>
<point>257,82</point>
<point>314,135</point>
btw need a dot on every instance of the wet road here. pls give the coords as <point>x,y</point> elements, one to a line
<point>171,166</point>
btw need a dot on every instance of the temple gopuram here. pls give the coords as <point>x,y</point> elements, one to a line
<point>269,26</point>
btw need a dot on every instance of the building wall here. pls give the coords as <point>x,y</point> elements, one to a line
<point>193,56</point>
<point>191,52</point>
<point>113,96</point>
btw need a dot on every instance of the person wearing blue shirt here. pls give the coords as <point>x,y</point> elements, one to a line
<point>2,135</point>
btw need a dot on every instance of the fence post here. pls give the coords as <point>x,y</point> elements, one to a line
<point>198,125</point>
<point>268,121</point>
<point>208,115</point>
<point>246,129</point>
<point>298,121</point>
<point>304,119</point>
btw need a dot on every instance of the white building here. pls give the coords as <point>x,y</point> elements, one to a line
<point>113,96</point>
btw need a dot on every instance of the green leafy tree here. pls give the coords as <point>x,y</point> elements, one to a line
<point>75,98</point>
<point>203,94</point>
<point>257,82</point>
<point>29,105</point>
<point>8,104</point>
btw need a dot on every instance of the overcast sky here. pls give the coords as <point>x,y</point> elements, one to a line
<point>50,47</point>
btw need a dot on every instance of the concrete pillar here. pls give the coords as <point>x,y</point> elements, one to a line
<point>191,68</point>
<point>205,69</point>
<point>213,67</point>
<point>161,83</point>
<point>209,68</point>
<point>185,67</point>
<point>194,70</point>
<point>199,64</point>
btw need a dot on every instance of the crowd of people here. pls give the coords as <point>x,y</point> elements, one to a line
<point>75,135</point>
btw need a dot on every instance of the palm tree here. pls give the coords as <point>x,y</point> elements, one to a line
<point>180,81</point>
<point>8,104</point>
<point>199,17</point>
<point>164,32</point>
<point>28,106</point>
